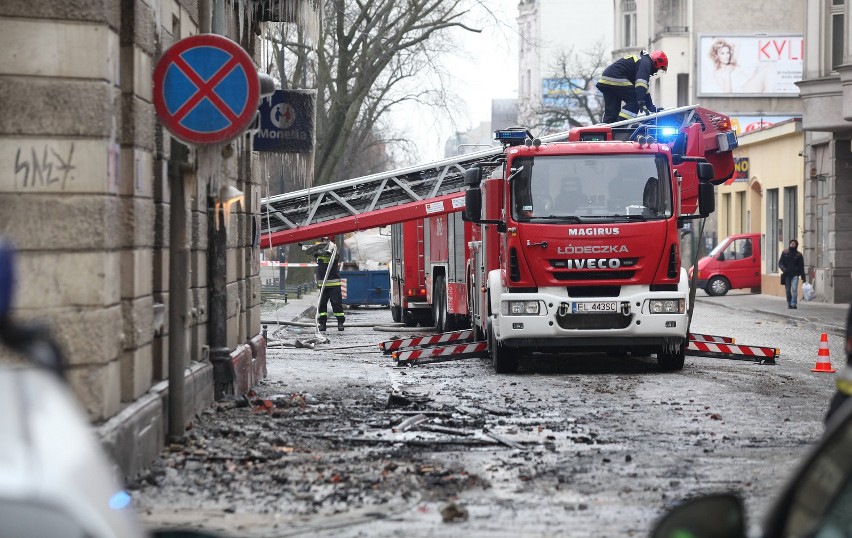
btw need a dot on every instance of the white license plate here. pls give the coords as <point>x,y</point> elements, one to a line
<point>602,307</point>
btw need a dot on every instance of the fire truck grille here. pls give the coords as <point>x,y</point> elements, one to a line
<point>594,321</point>
<point>594,275</point>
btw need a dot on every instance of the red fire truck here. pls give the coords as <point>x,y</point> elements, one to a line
<point>579,246</point>
<point>569,242</point>
<point>429,272</point>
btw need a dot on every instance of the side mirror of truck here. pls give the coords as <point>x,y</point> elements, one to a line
<point>706,197</point>
<point>473,176</point>
<point>705,171</point>
<point>472,203</point>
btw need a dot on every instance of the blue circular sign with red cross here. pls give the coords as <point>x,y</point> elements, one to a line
<point>206,89</point>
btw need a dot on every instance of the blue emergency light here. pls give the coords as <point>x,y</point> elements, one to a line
<point>666,133</point>
<point>510,136</point>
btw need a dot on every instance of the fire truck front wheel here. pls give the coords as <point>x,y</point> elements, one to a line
<point>503,359</point>
<point>672,360</point>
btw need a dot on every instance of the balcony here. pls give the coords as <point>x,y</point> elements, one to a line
<point>845,71</point>
<point>822,99</point>
<point>671,30</point>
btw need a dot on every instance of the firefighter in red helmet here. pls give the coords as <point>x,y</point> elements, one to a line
<point>626,81</point>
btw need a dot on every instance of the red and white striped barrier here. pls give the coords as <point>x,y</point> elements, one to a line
<point>734,351</point>
<point>695,337</point>
<point>343,288</point>
<point>455,351</point>
<point>443,338</point>
<point>286,264</point>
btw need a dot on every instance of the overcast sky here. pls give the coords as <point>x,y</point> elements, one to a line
<point>487,70</point>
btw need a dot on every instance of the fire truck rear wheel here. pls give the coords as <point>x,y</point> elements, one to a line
<point>439,306</point>
<point>671,362</point>
<point>396,313</point>
<point>502,359</point>
<point>409,318</point>
<point>718,285</point>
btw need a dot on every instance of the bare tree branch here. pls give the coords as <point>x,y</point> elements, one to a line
<point>368,53</point>
<point>571,99</point>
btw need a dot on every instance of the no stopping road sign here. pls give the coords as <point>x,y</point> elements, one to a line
<point>206,89</point>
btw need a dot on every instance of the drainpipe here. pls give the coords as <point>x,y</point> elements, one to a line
<point>220,354</point>
<point>217,329</point>
<point>204,16</point>
<point>178,289</point>
<point>218,16</point>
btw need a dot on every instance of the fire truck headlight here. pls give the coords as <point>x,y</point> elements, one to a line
<point>667,306</point>
<point>523,308</point>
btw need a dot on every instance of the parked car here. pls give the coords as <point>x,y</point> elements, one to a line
<point>55,478</point>
<point>815,503</point>
<point>733,264</point>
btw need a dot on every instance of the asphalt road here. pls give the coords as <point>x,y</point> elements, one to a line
<point>573,445</point>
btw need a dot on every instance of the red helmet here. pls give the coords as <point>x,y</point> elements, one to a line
<point>660,60</point>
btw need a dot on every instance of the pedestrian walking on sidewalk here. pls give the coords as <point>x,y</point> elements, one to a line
<point>327,256</point>
<point>792,266</point>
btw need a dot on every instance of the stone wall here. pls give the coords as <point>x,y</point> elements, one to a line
<point>85,175</point>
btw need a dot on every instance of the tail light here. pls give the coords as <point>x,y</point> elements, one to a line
<point>416,292</point>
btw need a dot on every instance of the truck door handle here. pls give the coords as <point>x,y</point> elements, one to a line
<point>542,244</point>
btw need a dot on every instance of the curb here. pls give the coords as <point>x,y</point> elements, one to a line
<point>819,326</point>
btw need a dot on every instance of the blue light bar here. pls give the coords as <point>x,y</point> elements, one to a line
<point>510,135</point>
<point>668,131</point>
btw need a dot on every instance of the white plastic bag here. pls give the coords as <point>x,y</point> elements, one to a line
<point>808,291</point>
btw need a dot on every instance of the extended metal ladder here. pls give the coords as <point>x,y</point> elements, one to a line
<point>396,196</point>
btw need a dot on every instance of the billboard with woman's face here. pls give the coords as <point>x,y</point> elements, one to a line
<point>749,66</point>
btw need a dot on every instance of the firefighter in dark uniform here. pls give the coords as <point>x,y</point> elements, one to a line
<point>323,253</point>
<point>626,80</point>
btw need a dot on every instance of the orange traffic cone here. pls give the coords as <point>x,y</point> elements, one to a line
<point>823,363</point>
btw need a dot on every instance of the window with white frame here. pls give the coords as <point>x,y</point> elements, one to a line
<point>628,25</point>
<point>791,214</point>
<point>838,32</point>
<point>823,201</point>
<point>741,210</point>
<point>772,229</point>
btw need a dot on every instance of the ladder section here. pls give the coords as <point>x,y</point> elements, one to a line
<point>359,196</point>
<point>674,118</point>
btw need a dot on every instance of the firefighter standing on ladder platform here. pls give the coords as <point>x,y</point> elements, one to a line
<point>327,270</point>
<point>626,80</point>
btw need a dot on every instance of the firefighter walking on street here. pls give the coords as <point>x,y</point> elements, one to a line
<point>626,81</point>
<point>328,259</point>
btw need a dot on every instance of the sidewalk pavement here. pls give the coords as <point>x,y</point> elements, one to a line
<point>822,317</point>
<point>295,307</point>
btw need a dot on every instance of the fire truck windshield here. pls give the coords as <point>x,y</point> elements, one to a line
<point>591,188</point>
